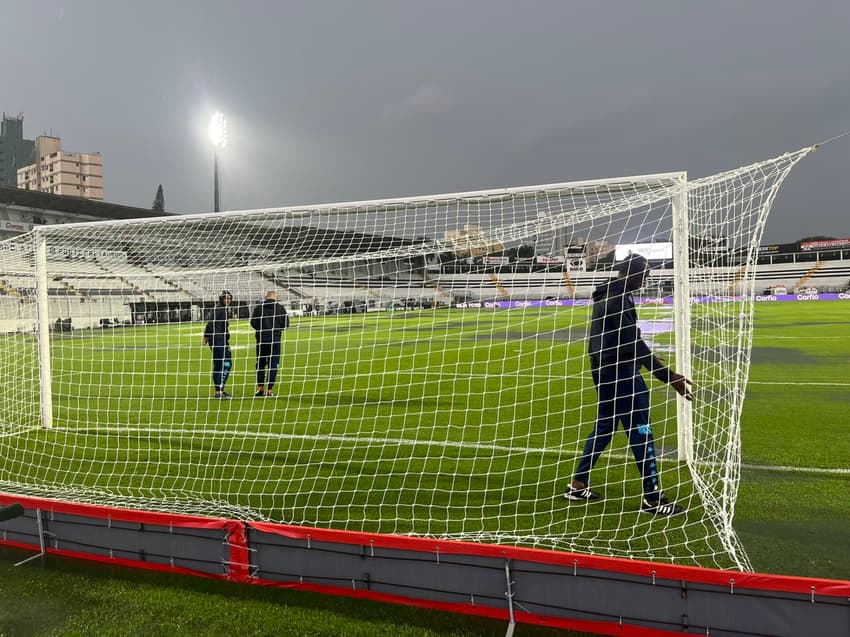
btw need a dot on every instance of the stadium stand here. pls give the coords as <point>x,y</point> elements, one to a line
<point>95,289</point>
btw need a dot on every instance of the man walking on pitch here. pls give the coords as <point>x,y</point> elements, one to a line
<point>617,354</point>
<point>217,336</point>
<point>268,319</point>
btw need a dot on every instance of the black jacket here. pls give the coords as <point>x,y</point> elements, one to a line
<point>269,319</point>
<point>614,334</point>
<point>217,331</point>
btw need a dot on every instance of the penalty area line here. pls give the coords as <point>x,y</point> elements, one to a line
<point>786,469</point>
<point>801,384</point>
<point>359,441</point>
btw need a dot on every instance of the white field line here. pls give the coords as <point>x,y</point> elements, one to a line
<point>438,376</point>
<point>433,376</point>
<point>793,382</point>
<point>783,468</point>
<point>359,441</point>
<point>799,338</point>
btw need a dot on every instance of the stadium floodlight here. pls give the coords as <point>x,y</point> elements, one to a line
<point>218,137</point>
<point>218,130</point>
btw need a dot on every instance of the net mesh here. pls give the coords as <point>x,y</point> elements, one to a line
<point>434,380</point>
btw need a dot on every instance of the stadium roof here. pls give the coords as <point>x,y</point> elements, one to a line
<point>225,241</point>
<point>76,206</point>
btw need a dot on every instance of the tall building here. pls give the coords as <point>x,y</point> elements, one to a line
<point>15,151</point>
<point>61,173</point>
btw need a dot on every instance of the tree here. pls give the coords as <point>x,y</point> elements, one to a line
<point>159,200</point>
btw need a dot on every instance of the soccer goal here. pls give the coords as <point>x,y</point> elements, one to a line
<point>433,381</point>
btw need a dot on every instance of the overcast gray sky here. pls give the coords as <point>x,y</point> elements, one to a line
<point>339,100</point>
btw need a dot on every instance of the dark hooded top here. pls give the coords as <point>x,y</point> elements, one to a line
<point>217,331</point>
<point>615,337</point>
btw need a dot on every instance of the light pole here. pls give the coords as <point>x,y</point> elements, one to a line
<point>218,136</point>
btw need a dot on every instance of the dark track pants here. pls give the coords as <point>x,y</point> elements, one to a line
<point>624,398</point>
<point>222,364</point>
<point>268,357</point>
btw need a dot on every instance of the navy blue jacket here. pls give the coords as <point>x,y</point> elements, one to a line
<point>269,319</point>
<point>614,334</point>
<point>217,331</point>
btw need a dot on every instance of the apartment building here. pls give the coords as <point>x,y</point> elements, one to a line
<point>62,173</point>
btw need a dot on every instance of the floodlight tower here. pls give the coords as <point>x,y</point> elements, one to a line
<point>218,137</point>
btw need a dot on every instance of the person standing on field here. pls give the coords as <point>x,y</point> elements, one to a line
<point>268,319</point>
<point>217,337</point>
<point>617,354</point>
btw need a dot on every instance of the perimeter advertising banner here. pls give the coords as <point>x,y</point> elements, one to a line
<point>826,244</point>
<point>650,251</point>
<point>667,300</point>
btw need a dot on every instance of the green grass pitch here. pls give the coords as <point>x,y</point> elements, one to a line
<point>391,423</point>
<point>443,423</point>
<point>792,512</point>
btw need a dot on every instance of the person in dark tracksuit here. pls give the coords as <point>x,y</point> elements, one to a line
<point>217,336</point>
<point>617,354</point>
<point>268,319</point>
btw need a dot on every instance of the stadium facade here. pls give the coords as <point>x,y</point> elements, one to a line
<point>21,210</point>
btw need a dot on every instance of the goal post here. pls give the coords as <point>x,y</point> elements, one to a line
<point>434,380</point>
<point>682,314</point>
<point>43,313</point>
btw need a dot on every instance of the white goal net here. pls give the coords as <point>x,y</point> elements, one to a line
<point>434,379</point>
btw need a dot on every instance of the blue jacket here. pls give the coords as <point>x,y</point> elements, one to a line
<point>217,331</point>
<point>614,333</point>
<point>269,319</point>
